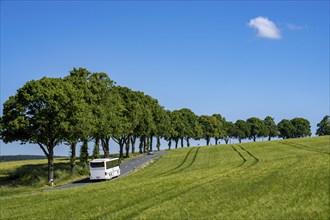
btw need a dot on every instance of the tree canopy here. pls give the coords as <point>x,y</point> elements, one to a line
<point>257,128</point>
<point>324,126</point>
<point>271,127</point>
<point>294,128</point>
<point>302,128</point>
<point>243,130</point>
<point>38,114</point>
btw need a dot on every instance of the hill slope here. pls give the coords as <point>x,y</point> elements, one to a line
<point>266,180</point>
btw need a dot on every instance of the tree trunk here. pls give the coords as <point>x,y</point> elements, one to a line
<point>73,159</point>
<point>240,140</point>
<point>105,146</point>
<point>158,143</point>
<point>254,138</point>
<point>121,149</point>
<point>121,142</point>
<point>226,140</point>
<point>269,138</point>
<point>50,158</point>
<point>176,142</point>
<point>49,152</point>
<point>133,140</point>
<point>127,147</point>
<point>216,141</point>
<point>188,143</point>
<point>207,141</point>
<point>169,143</point>
<point>151,140</point>
<point>182,142</point>
<point>145,144</point>
<point>141,145</point>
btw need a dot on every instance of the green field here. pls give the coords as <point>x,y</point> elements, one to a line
<point>286,179</point>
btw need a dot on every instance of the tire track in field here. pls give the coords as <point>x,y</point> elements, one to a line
<point>183,161</point>
<point>182,168</point>
<point>193,160</point>
<point>179,167</point>
<point>257,160</point>
<point>245,158</point>
<point>239,153</point>
<point>302,147</point>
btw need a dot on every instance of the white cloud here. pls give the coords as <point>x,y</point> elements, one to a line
<point>265,27</point>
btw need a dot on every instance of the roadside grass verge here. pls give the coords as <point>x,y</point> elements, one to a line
<point>264,180</point>
<point>23,176</point>
<point>30,175</point>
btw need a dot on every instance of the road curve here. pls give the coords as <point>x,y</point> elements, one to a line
<point>126,167</point>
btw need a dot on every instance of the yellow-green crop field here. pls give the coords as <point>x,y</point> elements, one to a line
<point>284,179</point>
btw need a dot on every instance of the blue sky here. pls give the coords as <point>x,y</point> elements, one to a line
<point>240,59</point>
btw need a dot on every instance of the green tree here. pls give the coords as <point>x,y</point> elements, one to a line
<point>155,116</point>
<point>131,117</point>
<point>190,128</point>
<point>220,131</point>
<point>37,114</point>
<point>242,130</point>
<point>257,128</point>
<point>79,115</point>
<point>170,132</point>
<point>145,127</point>
<point>209,125</point>
<point>109,117</point>
<point>87,120</point>
<point>162,122</point>
<point>229,131</point>
<point>271,126</point>
<point>178,126</point>
<point>324,126</point>
<point>122,134</point>
<point>104,106</point>
<point>302,127</point>
<point>285,129</point>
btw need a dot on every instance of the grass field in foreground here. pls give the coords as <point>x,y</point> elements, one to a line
<point>286,179</point>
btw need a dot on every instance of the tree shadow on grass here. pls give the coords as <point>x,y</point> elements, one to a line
<point>33,175</point>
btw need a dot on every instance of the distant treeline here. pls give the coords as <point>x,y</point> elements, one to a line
<point>6,158</point>
<point>87,106</point>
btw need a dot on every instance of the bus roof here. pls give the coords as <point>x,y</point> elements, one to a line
<point>104,160</point>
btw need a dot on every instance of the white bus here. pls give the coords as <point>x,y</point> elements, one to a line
<point>104,169</point>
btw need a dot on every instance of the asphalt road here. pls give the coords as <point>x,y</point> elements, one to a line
<point>126,167</point>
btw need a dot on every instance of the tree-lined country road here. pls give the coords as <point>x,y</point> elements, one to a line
<point>88,106</point>
<point>126,167</point>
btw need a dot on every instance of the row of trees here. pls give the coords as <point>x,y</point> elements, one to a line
<point>87,106</point>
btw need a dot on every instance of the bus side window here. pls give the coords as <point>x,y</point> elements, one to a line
<point>113,163</point>
<point>108,164</point>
